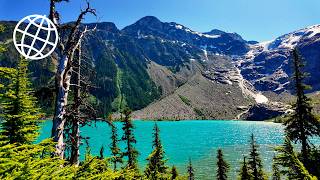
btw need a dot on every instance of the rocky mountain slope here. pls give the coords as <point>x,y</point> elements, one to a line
<point>164,70</point>
<point>267,64</point>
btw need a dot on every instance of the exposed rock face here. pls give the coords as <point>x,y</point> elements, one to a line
<point>268,64</point>
<point>259,112</point>
<point>215,41</point>
<point>205,95</point>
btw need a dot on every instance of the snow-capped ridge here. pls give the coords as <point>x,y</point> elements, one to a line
<point>290,40</point>
<point>181,27</point>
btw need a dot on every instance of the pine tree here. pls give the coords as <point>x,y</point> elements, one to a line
<point>128,136</point>
<point>115,150</point>
<point>292,166</point>
<point>276,175</point>
<point>156,167</point>
<point>254,162</point>
<point>222,166</point>
<point>244,171</point>
<point>19,112</point>
<point>190,171</point>
<point>101,152</point>
<point>302,124</point>
<point>174,173</point>
<point>314,161</point>
<point>2,48</point>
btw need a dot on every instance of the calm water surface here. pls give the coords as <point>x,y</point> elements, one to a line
<point>198,140</point>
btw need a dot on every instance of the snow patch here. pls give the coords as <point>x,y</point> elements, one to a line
<point>261,99</point>
<point>205,55</point>
<point>290,41</point>
<point>178,26</point>
<point>248,90</point>
<point>265,45</point>
<point>315,30</point>
<point>210,36</point>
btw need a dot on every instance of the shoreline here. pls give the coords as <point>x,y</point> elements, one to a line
<point>168,120</point>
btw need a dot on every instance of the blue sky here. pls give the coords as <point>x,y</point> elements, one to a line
<point>253,19</point>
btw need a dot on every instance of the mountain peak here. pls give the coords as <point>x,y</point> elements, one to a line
<point>215,32</point>
<point>148,20</point>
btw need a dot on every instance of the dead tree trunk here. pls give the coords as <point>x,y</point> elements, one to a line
<point>75,134</point>
<point>62,85</point>
<point>63,74</point>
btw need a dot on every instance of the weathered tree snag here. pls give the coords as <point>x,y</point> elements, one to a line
<point>81,112</point>
<point>75,134</point>
<point>63,74</point>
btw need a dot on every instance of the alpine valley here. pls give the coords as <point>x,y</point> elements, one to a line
<point>164,70</point>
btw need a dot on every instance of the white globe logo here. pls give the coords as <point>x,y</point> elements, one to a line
<point>35,37</point>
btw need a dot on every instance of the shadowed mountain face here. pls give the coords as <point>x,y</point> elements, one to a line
<point>151,64</point>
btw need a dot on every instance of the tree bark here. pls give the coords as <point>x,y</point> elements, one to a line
<point>63,78</point>
<point>75,147</point>
<point>63,74</point>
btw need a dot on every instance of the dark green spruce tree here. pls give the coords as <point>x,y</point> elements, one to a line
<point>293,168</point>
<point>156,167</point>
<point>19,113</point>
<point>244,171</point>
<point>174,173</point>
<point>2,48</point>
<point>276,173</point>
<point>101,152</point>
<point>222,166</point>
<point>190,171</point>
<point>128,137</point>
<point>254,162</point>
<point>302,124</point>
<point>115,149</point>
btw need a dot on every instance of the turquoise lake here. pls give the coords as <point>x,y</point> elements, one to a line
<point>198,140</point>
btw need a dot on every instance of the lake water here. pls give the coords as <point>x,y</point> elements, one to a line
<point>198,140</point>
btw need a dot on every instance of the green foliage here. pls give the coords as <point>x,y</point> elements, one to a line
<point>302,124</point>
<point>185,100</point>
<point>255,164</point>
<point>128,137</point>
<point>20,158</point>
<point>20,116</point>
<point>119,102</point>
<point>190,171</point>
<point>106,82</point>
<point>156,168</point>
<point>34,161</point>
<point>276,174</point>
<point>222,167</point>
<point>137,87</point>
<point>115,150</point>
<point>244,171</point>
<point>30,161</point>
<point>199,113</point>
<point>314,161</point>
<point>292,166</point>
<point>2,48</point>
<point>174,173</point>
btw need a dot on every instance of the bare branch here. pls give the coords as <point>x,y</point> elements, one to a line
<point>72,39</point>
